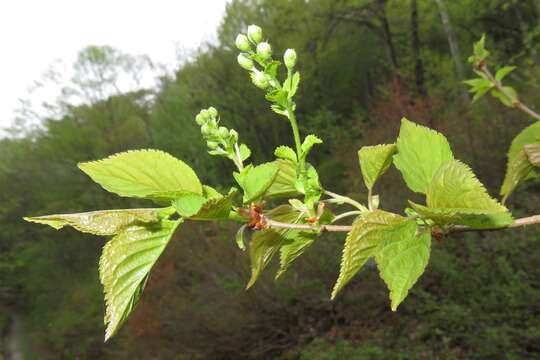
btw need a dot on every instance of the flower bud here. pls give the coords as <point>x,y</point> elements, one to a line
<point>242,43</point>
<point>212,144</point>
<point>205,114</point>
<point>289,58</point>
<point>212,112</point>
<point>255,33</point>
<point>264,50</point>
<point>259,79</point>
<point>199,119</point>
<point>223,132</point>
<point>234,135</point>
<point>213,123</point>
<point>245,62</point>
<point>205,130</point>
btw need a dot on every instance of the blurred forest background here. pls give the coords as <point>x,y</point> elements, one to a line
<point>364,65</point>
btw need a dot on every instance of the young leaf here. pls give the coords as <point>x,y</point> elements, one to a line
<point>283,185</point>
<point>245,152</point>
<point>240,237</point>
<point>285,152</point>
<point>257,180</point>
<point>375,161</point>
<point>264,244</point>
<point>420,153</point>
<point>142,173</point>
<point>125,265</point>
<point>402,259</point>
<point>533,153</point>
<point>519,167</point>
<point>456,196</point>
<point>299,243</point>
<point>216,208</point>
<point>104,222</point>
<point>502,72</point>
<point>308,143</point>
<point>368,231</point>
<point>291,84</point>
<point>188,204</point>
<point>507,100</point>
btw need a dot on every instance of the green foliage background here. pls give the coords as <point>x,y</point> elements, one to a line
<point>479,297</point>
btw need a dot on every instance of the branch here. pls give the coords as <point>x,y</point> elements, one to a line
<point>272,224</point>
<point>515,101</point>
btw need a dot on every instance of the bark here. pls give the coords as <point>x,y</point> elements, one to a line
<point>387,35</point>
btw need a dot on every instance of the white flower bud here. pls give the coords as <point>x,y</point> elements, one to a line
<point>223,132</point>
<point>212,112</point>
<point>205,114</point>
<point>205,130</point>
<point>242,43</point>
<point>259,79</point>
<point>245,62</point>
<point>264,50</point>
<point>255,33</point>
<point>234,135</point>
<point>289,58</point>
<point>212,144</point>
<point>199,119</point>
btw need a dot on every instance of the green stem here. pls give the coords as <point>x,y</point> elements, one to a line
<point>370,200</point>
<point>297,142</point>
<point>345,200</point>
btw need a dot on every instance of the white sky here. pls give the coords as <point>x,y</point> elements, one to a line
<point>36,33</point>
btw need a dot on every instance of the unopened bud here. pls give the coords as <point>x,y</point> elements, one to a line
<point>242,43</point>
<point>245,62</point>
<point>289,58</point>
<point>259,79</point>
<point>199,120</point>
<point>264,50</point>
<point>234,135</point>
<point>212,112</point>
<point>205,114</point>
<point>205,130</point>
<point>213,123</point>
<point>212,144</point>
<point>223,132</point>
<point>255,33</point>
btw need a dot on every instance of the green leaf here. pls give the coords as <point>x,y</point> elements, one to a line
<point>142,173</point>
<point>375,161</point>
<point>216,208</point>
<point>368,231</point>
<point>264,244</point>
<point>502,72</point>
<point>505,99</point>
<point>402,259</point>
<point>188,204</point>
<point>533,153</point>
<point>420,153</point>
<point>519,167</point>
<point>125,265</point>
<point>291,84</point>
<point>283,185</point>
<point>308,143</point>
<point>285,152</point>
<point>479,87</point>
<point>299,242</point>
<point>240,238</point>
<point>456,196</point>
<point>256,180</point>
<point>104,222</point>
<point>245,152</point>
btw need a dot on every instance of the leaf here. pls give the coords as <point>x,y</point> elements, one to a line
<point>240,237</point>
<point>291,84</point>
<point>519,167</point>
<point>125,265</point>
<point>456,196</point>
<point>104,222</point>
<point>479,87</point>
<point>502,72</point>
<point>264,244</point>
<point>300,241</point>
<point>283,185</point>
<point>285,152</point>
<point>245,152</point>
<point>188,204</point>
<point>420,153</point>
<point>402,259</point>
<point>308,143</point>
<point>142,173</point>
<point>533,153</point>
<point>507,100</point>
<point>368,231</point>
<point>216,208</point>
<point>375,161</point>
<point>257,180</point>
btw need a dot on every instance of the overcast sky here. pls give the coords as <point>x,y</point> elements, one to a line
<point>36,33</point>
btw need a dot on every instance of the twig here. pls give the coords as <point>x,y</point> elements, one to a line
<point>515,101</point>
<point>531,220</point>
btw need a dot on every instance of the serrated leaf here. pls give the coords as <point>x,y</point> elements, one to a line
<point>420,153</point>
<point>402,258</point>
<point>291,84</point>
<point>505,99</point>
<point>308,143</point>
<point>104,222</point>
<point>502,72</point>
<point>264,244</point>
<point>285,152</point>
<point>533,153</point>
<point>456,196</point>
<point>283,185</point>
<point>245,152</point>
<point>142,173</point>
<point>299,242</point>
<point>280,110</point>
<point>216,208</point>
<point>375,161</point>
<point>211,193</point>
<point>368,231</point>
<point>188,204</point>
<point>519,167</point>
<point>257,180</point>
<point>125,266</point>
